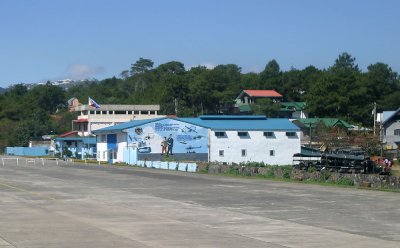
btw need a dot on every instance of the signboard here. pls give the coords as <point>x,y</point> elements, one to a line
<point>171,138</point>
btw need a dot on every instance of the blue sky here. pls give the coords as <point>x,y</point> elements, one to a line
<point>56,39</point>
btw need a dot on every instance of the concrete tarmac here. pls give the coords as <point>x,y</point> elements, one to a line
<point>82,205</point>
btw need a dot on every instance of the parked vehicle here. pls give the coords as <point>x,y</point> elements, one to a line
<point>343,160</point>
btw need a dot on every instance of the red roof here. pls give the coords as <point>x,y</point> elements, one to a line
<point>81,120</point>
<point>71,133</point>
<point>262,93</point>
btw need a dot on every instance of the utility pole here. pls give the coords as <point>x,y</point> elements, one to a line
<point>374,112</point>
<point>310,134</point>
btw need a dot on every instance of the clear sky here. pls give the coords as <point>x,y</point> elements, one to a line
<point>56,39</point>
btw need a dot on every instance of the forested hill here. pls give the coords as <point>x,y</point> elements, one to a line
<point>342,91</point>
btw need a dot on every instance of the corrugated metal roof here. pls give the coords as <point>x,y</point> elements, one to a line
<point>70,133</point>
<point>387,115</point>
<point>293,106</point>
<point>233,117</point>
<point>329,122</point>
<point>221,123</point>
<point>244,124</point>
<point>126,125</point>
<point>85,140</point>
<point>262,93</point>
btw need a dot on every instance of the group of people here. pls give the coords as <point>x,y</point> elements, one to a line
<point>167,145</point>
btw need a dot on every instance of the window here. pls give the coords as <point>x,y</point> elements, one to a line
<point>152,112</point>
<point>244,152</point>
<point>221,153</point>
<point>136,112</point>
<point>397,132</point>
<point>219,134</point>
<point>129,112</point>
<point>243,134</point>
<point>272,152</point>
<point>103,112</point>
<point>145,112</point>
<point>291,134</point>
<point>91,112</point>
<point>103,138</point>
<point>269,134</point>
<point>120,112</point>
<point>97,112</point>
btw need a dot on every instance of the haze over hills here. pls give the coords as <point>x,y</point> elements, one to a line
<point>63,83</point>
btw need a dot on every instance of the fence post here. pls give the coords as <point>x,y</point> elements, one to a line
<point>2,160</point>
<point>42,161</point>
<point>17,161</point>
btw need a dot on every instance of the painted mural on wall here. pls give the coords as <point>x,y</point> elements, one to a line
<point>170,137</point>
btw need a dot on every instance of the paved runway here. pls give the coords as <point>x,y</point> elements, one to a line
<point>110,206</point>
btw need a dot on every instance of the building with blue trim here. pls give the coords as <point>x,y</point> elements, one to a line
<point>75,146</point>
<point>226,139</point>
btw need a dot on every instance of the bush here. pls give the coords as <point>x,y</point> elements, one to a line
<point>345,181</point>
<point>287,172</point>
<point>233,170</point>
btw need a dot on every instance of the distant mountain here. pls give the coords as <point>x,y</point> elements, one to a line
<point>63,83</point>
<point>2,90</point>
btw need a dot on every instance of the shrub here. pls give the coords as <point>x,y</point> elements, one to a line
<point>345,181</point>
<point>233,170</point>
<point>287,172</point>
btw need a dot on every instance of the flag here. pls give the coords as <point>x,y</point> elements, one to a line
<point>93,103</point>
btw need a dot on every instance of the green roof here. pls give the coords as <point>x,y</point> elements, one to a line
<point>297,106</point>
<point>244,108</point>
<point>329,122</point>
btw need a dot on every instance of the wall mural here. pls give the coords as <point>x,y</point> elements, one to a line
<point>170,137</point>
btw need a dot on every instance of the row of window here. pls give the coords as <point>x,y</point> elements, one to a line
<point>246,134</point>
<point>119,112</point>
<point>244,153</point>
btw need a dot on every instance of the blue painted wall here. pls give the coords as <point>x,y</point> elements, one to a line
<point>190,141</point>
<point>27,151</point>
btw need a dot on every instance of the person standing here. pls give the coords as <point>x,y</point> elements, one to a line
<point>170,142</point>
<point>164,145</point>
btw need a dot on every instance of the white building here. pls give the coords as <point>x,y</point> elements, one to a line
<point>90,118</point>
<point>226,139</point>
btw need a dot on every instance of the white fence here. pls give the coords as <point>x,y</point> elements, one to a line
<point>35,161</point>
<point>178,166</point>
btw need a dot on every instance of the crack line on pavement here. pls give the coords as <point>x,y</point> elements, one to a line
<point>27,191</point>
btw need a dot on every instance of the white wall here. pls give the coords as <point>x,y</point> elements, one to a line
<point>103,153</point>
<point>121,144</point>
<point>101,147</point>
<point>257,147</point>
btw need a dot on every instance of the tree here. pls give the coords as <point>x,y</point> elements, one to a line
<point>141,66</point>
<point>48,97</point>
<point>345,61</point>
<point>174,67</point>
<point>382,84</point>
<point>271,77</point>
<point>266,107</point>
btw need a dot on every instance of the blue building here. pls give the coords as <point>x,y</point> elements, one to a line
<point>227,139</point>
<point>72,145</point>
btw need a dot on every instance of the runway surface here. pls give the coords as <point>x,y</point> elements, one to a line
<point>82,205</point>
